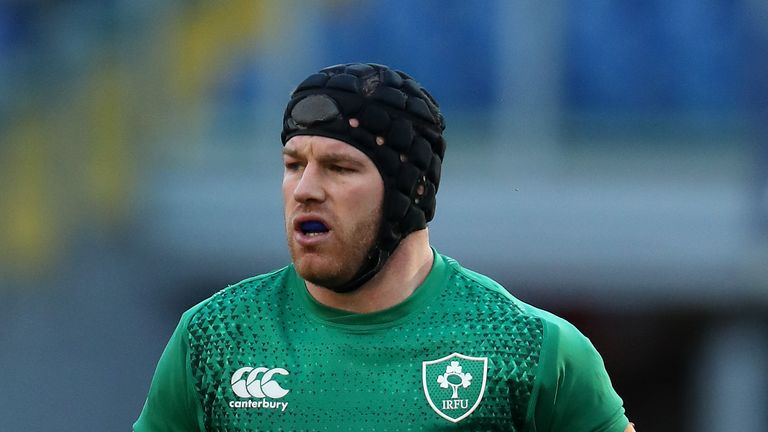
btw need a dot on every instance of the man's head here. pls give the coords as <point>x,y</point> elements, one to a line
<point>389,120</point>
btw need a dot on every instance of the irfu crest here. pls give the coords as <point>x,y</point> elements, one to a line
<point>454,385</point>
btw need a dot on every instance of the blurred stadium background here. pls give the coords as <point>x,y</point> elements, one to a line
<point>606,160</point>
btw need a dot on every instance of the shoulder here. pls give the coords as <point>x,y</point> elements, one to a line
<point>569,385</point>
<point>558,334</point>
<point>564,337</point>
<point>573,390</point>
<point>485,291</point>
<point>480,299</point>
<point>246,293</point>
<point>478,286</point>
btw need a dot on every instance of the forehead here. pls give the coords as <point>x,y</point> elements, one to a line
<point>319,146</point>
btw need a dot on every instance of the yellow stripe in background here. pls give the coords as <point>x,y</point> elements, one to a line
<point>212,33</point>
<point>28,227</point>
<point>110,153</point>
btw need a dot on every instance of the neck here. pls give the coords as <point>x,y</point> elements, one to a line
<point>403,272</point>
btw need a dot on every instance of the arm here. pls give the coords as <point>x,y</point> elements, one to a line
<point>573,391</point>
<point>172,404</point>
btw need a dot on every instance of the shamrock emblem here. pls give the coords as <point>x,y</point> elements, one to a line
<point>455,378</point>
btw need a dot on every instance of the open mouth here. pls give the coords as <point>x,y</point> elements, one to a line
<point>313,228</point>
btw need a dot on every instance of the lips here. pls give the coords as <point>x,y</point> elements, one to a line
<point>313,227</point>
<point>310,229</point>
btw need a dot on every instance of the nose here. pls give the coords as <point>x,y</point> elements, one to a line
<point>309,186</point>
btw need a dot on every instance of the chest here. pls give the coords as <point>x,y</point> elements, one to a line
<point>317,377</point>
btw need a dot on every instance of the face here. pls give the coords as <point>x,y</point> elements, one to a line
<point>332,195</point>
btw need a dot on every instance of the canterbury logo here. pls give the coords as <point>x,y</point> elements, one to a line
<point>258,382</point>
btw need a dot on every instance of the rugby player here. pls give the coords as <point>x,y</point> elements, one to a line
<point>369,327</point>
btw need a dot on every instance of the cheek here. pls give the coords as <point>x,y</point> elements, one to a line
<point>366,199</point>
<point>287,189</point>
<point>289,204</point>
<point>376,192</point>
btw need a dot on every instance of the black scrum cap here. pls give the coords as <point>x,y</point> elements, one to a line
<point>397,124</point>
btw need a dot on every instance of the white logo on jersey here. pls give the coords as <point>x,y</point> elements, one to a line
<point>260,384</point>
<point>455,384</point>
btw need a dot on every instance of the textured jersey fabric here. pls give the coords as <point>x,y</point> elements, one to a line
<point>264,355</point>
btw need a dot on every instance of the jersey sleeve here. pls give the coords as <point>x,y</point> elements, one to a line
<point>573,391</point>
<point>172,404</point>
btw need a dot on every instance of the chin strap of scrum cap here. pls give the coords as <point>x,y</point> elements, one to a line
<point>393,120</point>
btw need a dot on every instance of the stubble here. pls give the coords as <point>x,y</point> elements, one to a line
<point>336,262</point>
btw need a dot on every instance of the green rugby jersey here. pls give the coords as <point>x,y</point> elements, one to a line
<point>459,354</point>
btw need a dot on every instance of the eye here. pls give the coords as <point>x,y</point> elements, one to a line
<point>291,165</point>
<point>341,169</point>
